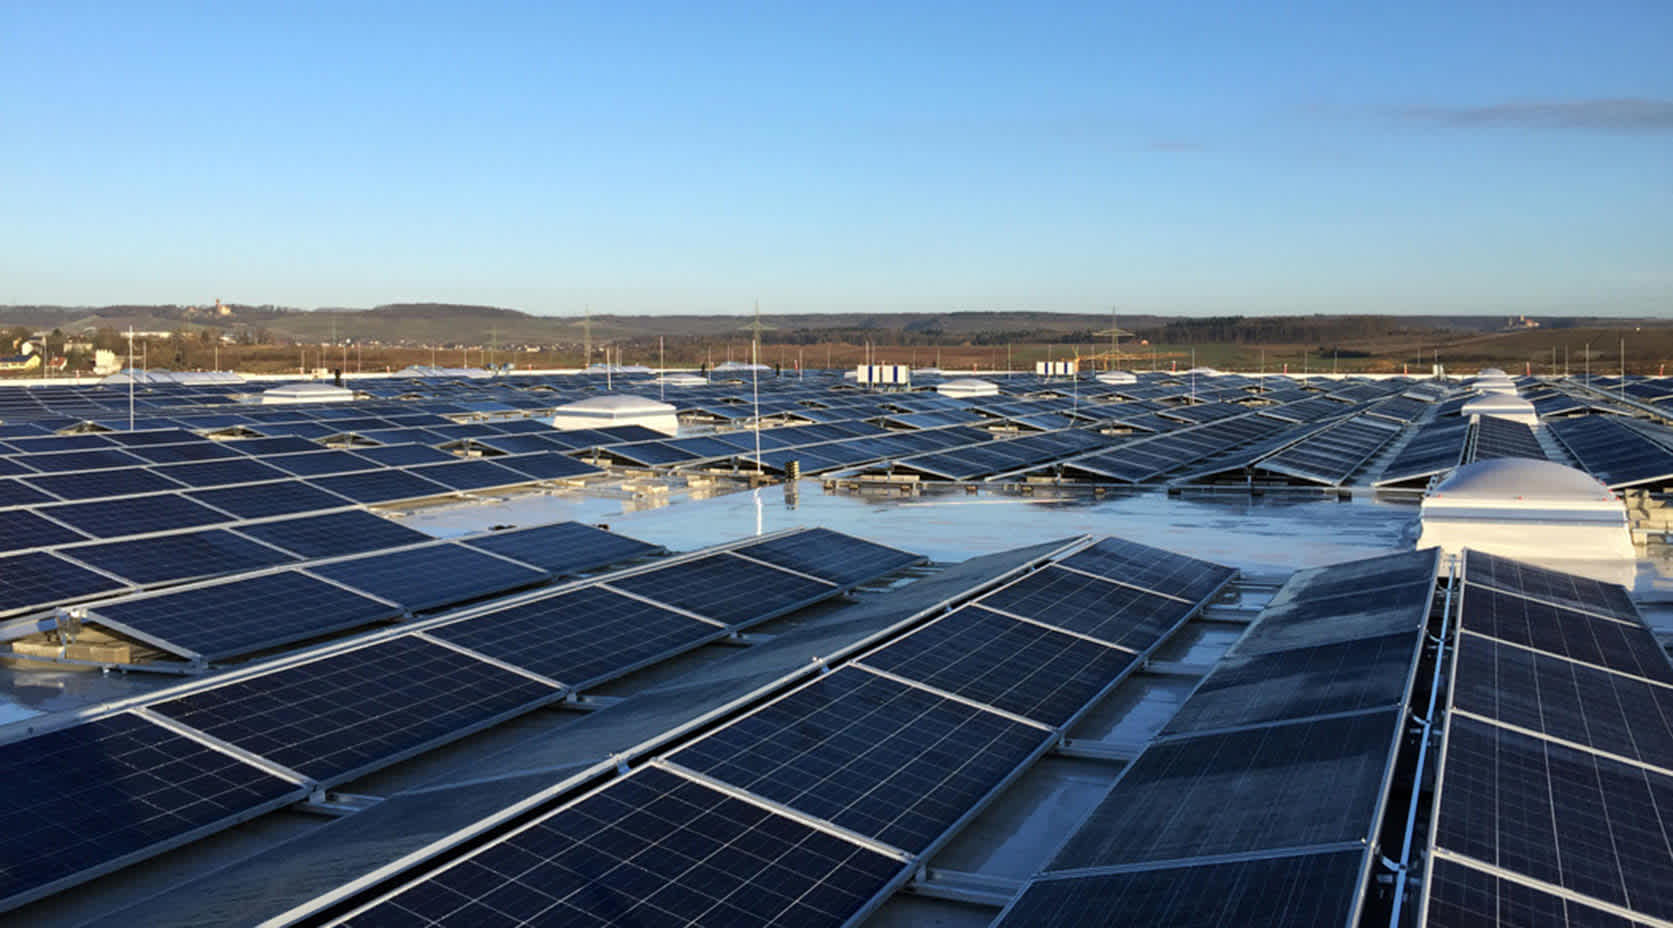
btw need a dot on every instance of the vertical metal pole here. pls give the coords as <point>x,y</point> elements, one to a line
<point>130,378</point>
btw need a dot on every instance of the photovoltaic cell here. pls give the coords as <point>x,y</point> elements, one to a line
<point>1261,689</point>
<point>431,577</point>
<point>21,528</point>
<point>1568,590</point>
<point>18,493</point>
<point>580,637</point>
<point>181,556</point>
<point>1565,817</point>
<point>135,515</point>
<point>382,486</point>
<point>122,785</point>
<point>651,849</point>
<point>1280,786</point>
<point>727,589</point>
<point>262,500</point>
<point>563,548</point>
<point>1101,609</point>
<point>881,758</point>
<point>98,459</point>
<point>353,711</point>
<point>841,559</point>
<point>1595,708</point>
<point>320,463</point>
<point>184,452</point>
<point>476,474</point>
<point>404,455</point>
<point>1628,648</point>
<point>236,617</point>
<point>334,533</point>
<point>221,473</point>
<point>1275,892</point>
<point>1032,671</point>
<point>97,484</point>
<point>1151,568</point>
<point>547,465</point>
<point>1464,897</point>
<point>40,579</point>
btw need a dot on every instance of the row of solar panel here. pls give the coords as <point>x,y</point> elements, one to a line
<point>1555,794</point>
<point>327,720</point>
<point>1299,723</point>
<point>881,749</point>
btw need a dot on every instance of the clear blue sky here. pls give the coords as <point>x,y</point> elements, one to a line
<point>1209,157</point>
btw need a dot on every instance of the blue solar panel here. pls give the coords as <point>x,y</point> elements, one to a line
<point>178,454</point>
<point>1120,615</point>
<point>81,460</point>
<point>564,548</point>
<point>404,455</point>
<point>1151,568</point>
<point>1023,668</point>
<point>320,463</point>
<point>21,528</point>
<point>547,465</point>
<point>341,715</point>
<point>18,493</point>
<point>884,759</point>
<point>98,484</point>
<point>477,474</point>
<point>261,500</point>
<point>221,473</point>
<point>335,533</point>
<point>841,559</point>
<point>382,486</point>
<point>118,788</point>
<point>431,577</point>
<point>40,579</point>
<point>181,556</point>
<point>241,616</point>
<point>581,637</point>
<point>280,444</point>
<point>134,515</point>
<point>652,849</point>
<point>727,589</point>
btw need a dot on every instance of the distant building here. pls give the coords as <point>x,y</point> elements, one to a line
<point>1521,322</point>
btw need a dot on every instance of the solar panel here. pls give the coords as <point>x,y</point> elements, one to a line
<point>1299,784</point>
<point>652,848</point>
<point>334,533</point>
<point>1350,605</point>
<point>10,466</point>
<point>563,548</point>
<point>1565,817</point>
<point>1022,668</point>
<point>1274,892</point>
<point>18,493</point>
<point>47,444</point>
<point>181,453</point>
<point>882,758</point>
<point>1461,896</point>
<point>476,474</point>
<point>182,556</point>
<point>40,579</point>
<point>1628,648</point>
<point>109,792</point>
<point>21,528</point>
<point>432,576</point>
<point>1568,590</point>
<point>320,463</point>
<point>1261,689</point>
<point>382,486</point>
<point>547,465</point>
<point>581,637</point>
<point>98,459</point>
<point>261,500</point>
<point>1502,438</point>
<point>841,559</point>
<point>726,588</point>
<point>134,515</point>
<point>1120,615</point>
<point>235,617</point>
<point>221,473</point>
<point>280,444</point>
<point>340,716</point>
<point>404,455</point>
<point>1151,568</point>
<point>98,484</point>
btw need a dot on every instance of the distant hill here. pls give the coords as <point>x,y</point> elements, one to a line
<point>417,324</point>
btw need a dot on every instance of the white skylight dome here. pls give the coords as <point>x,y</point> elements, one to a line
<point>616,409</point>
<point>1538,511</point>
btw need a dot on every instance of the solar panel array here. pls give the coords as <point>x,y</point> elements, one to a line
<point>313,722</point>
<point>1436,448</point>
<point>881,763</point>
<point>1260,802</point>
<point>1610,451</point>
<point>1502,438</point>
<point>1555,792</point>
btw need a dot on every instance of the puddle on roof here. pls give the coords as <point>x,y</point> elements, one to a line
<point>1263,534</point>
